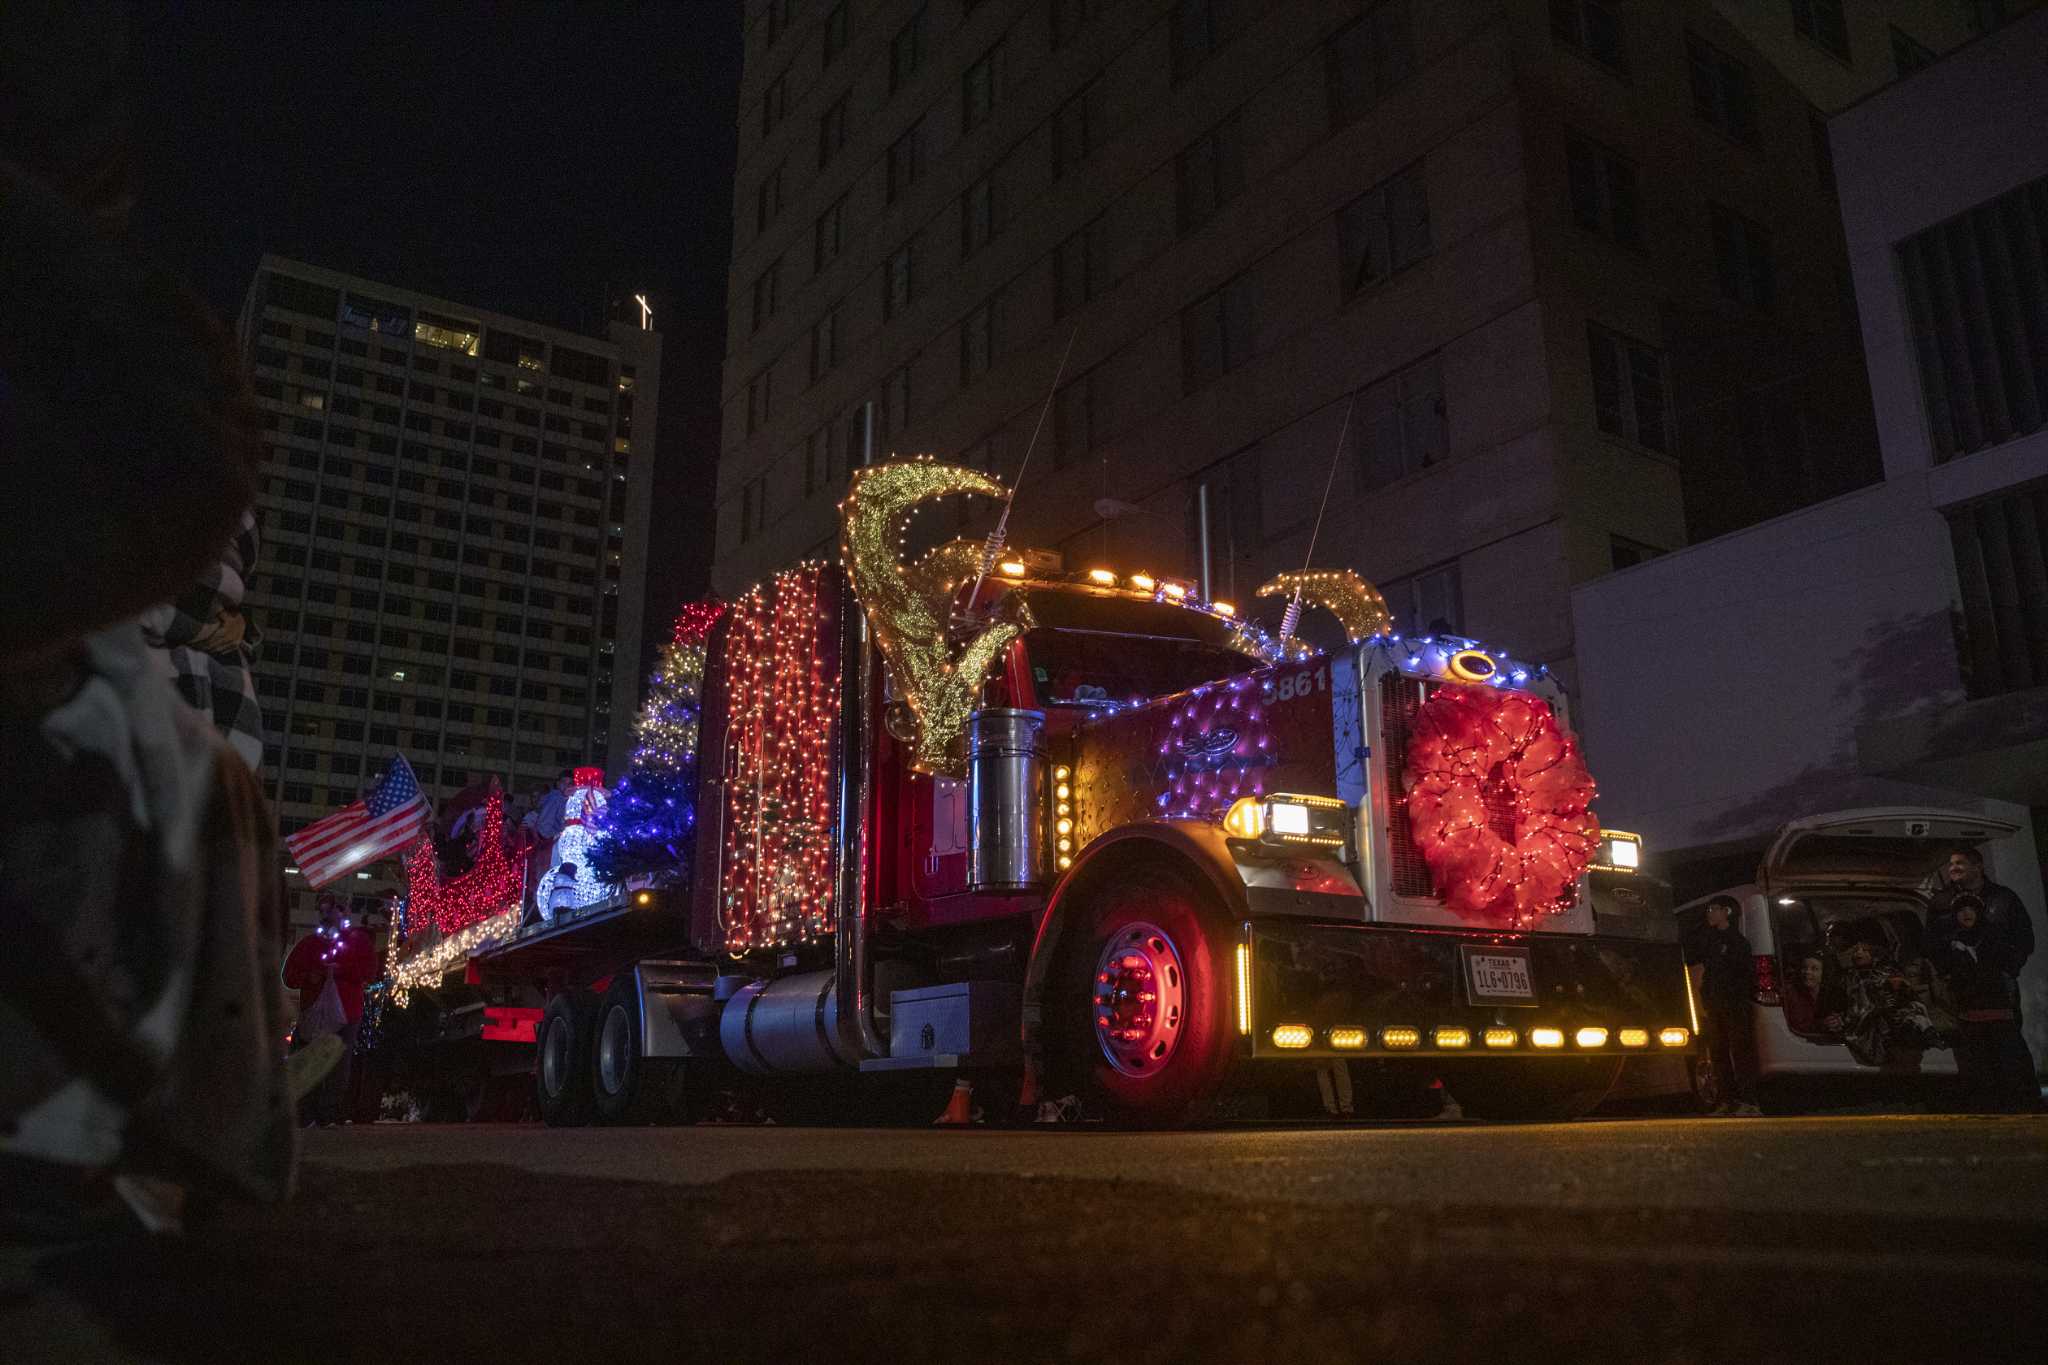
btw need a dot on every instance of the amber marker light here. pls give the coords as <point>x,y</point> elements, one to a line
<point>1244,988</point>
<point>1175,590</point>
<point>643,898</point>
<point>1144,582</point>
<point>1452,1038</point>
<point>1635,1037</point>
<point>1501,1037</point>
<point>1246,818</point>
<point>1012,568</point>
<point>1349,1039</point>
<point>1103,577</point>
<point>1223,608</point>
<point>1591,1037</point>
<point>1400,1036</point>
<point>1546,1037</point>
<point>1293,1036</point>
<point>1062,772</point>
<point>1674,1037</point>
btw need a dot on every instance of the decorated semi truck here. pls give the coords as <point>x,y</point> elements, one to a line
<point>1068,831</point>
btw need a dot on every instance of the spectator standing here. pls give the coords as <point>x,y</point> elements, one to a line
<point>1722,953</point>
<point>2005,940</point>
<point>343,953</point>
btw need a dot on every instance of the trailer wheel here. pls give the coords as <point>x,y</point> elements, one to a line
<point>561,1065</point>
<point>621,1081</point>
<point>1140,1005</point>
<point>1533,1090</point>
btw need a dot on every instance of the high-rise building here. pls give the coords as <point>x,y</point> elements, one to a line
<point>454,515</point>
<point>1568,277</point>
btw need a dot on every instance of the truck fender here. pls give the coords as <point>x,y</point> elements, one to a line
<point>1195,848</point>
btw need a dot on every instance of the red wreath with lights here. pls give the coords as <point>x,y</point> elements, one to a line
<point>1482,762</point>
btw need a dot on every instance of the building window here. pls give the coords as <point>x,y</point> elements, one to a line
<point>1742,258</point>
<point>1217,333</point>
<point>1384,230</point>
<point>978,341</point>
<point>906,52</point>
<point>1603,190</point>
<point>982,219</point>
<point>1974,291</point>
<point>818,460</point>
<point>906,160</point>
<point>1210,173</point>
<point>899,280</point>
<point>1199,27</point>
<point>831,132</point>
<point>824,344</point>
<point>1072,283</point>
<point>1400,426</point>
<point>831,235</point>
<point>768,200</point>
<point>2000,546</point>
<point>1721,93</point>
<point>1629,389</point>
<point>774,103</point>
<point>1822,21</point>
<point>1069,17</point>
<point>981,89</point>
<point>835,32</point>
<point>753,507</point>
<point>766,288</point>
<point>1908,56</point>
<point>760,395</point>
<point>1428,603</point>
<point>1591,27</point>
<point>1072,421</point>
<point>778,20</point>
<point>1074,128</point>
<point>895,414</point>
<point>1367,58</point>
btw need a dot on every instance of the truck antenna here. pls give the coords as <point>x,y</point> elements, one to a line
<point>994,545</point>
<point>1292,617</point>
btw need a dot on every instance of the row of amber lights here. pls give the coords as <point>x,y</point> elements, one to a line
<point>1451,1038</point>
<point>1063,814</point>
<point>1172,589</point>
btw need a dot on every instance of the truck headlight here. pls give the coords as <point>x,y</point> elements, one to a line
<point>1619,851</point>
<point>1285,818</point>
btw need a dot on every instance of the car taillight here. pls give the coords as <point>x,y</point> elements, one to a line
<point>1766,979</point>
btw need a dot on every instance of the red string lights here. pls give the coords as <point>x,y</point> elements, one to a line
<point>1497,804</point>
<point>490,885</point>
<point>783,698</point>
<point>695,620</point>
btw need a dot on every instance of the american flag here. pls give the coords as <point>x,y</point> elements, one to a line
<point>392,814</point>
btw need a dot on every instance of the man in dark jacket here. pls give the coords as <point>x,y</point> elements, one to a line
<point>1722,953</point>
<point>2004,941</point>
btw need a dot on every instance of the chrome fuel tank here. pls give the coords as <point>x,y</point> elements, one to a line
<point>1006,780</point>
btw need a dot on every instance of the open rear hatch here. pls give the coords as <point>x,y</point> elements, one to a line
<point>1877,846</point>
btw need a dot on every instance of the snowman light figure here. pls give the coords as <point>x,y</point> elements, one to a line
<point>570,881</point>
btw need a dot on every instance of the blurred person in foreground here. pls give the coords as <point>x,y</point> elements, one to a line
<point>140,1017</point>
<point>329,969</point>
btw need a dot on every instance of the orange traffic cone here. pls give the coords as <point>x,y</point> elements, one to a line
<point>959,1109</point>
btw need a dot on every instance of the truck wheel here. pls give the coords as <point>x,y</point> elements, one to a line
<point>1550,1089</point>
<point>1141,1002</point>
<point>561,1064</point>
<point>619,1075</point>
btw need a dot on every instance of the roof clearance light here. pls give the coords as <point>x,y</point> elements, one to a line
<point>1223,608</point>
<point>1143,582</point>
<point>1635,1037</point>
<point>1591,1037</point>
<point>1102,576</point>
<point>1674,1037</point>
<point>1500,1037</point>
<point>1349,1039</point>
<point>1176,591</point>
<point>1546,1037</point>
<point>1293,1035</point>
<point>1012,568</point>
<point>1400,1036</point>
<point>1452,1038</point>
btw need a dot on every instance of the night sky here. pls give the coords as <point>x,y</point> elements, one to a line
<point>518,157</point>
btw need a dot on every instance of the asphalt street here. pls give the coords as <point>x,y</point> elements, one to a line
<point>1799,1240</point>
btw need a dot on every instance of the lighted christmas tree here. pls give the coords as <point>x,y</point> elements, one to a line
<point>648,824</point>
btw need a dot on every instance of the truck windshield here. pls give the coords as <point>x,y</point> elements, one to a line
<point>1090,669</point>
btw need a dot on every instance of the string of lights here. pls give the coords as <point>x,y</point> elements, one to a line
<point>491,883</point>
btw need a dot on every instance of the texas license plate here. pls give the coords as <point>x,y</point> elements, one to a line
<point>1498,976</point>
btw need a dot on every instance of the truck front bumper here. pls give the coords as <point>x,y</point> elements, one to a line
<point>1307,989</point>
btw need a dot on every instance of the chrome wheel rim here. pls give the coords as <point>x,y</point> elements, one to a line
<point>1140,999</point>
<point>612,1042</point>
<point>554,1059</point>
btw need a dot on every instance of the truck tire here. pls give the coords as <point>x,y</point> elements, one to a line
<point>1547,1089</point>
<point>1140,1006</point>
<point>622,1086</point>
<point>561,1063</point>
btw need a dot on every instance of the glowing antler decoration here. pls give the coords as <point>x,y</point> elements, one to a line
<point>1353,601</point>
<point>909,608</point>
